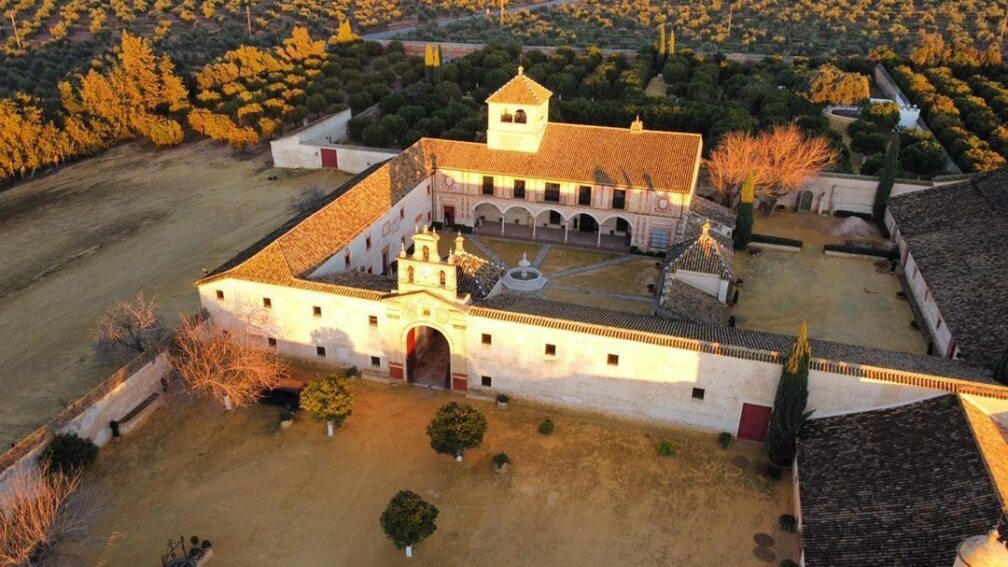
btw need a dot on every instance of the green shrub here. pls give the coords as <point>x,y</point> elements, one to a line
<point>787,563</point>
<point>68,452</point>
<point>780,240</point>
<point>546,427</point>
<point>501,398</point>
<point>408,519</point>
<point>666,448</point>
<point>788,523</point>
<point>501,459</point>
<point>455,428</point>
<point>725,439</point>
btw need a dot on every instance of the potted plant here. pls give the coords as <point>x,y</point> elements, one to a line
<point>725,439</point>
<point>501,462</point>
<point>546,427</point>
<point>788,523</point>
<point>286,419</point>
<point>666,448</point>
<point>502,401</point>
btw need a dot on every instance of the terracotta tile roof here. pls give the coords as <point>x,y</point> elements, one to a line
<point>957,235</point>
<point>899,486</point>
<point>520,90</point>
<point>993,446</point>
<point>704,253</point>
<point>680,300</point>
<point>476,276</point>
<point>852,360</point>
<point>649,160</point>
<point>703,208</point>
<point>359,280</point>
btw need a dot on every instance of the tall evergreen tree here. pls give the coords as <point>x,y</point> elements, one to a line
<point>886,179</point>
<point>789,413</point>
<point>345,33</point>
<point>428,61</point>
<point>661,48</point>
<point>744,214</point>
<point>1001,369</point>
<point>671,43</point>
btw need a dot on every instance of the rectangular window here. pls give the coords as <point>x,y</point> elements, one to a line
<point>316,311</point>
<point>519,189</point>
<point>488,185</point>
<point>619,199</point>
<point>486,381</point>
<point>613,360</point>
<point>584,195</point>
<point>271,341</point>
<point>402,213</point>
<point>550,350</point>
<point>554,218</point>
<point>367,242</point>
<point>320,351</point>
<point>220,295</point>
<point>267,303</point>
<point>375,362</point>
<point>552,193</point>
<point>659,239</point>
<point>346,260</point>
<point>487,339</point>
<point>372,320</point>
<point>698,393</point>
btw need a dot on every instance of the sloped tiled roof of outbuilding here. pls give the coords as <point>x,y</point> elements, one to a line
<point>648,160</point>
<point>898,486</point>
<point>520,90</point>
<point>991,439</point>
<point>958,237</point>
<point>704,253</point>
<point>704,208</point>
<point>476,276</point>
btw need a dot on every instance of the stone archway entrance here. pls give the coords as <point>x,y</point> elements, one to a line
<point>428,358</point>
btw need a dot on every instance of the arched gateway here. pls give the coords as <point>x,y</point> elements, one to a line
<point>428,358</point>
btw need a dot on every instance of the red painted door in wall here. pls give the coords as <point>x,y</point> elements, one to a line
<point>754,422</point>
<point>329,159</point>
<point>410,354</point>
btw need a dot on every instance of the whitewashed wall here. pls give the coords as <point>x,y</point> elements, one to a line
<point>301,149</point>
<point>708,283</point>
<point>355,159</point>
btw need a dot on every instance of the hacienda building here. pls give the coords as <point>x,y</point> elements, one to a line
<point>361,281</point>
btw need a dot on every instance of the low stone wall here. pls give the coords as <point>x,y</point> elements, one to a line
<point>841,192</point>
<point>89,415</point>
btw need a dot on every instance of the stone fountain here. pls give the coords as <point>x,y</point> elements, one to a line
<point>524,277</point>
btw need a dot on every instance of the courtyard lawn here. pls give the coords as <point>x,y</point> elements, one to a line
<point>594,492</point>
<point>510,250</point>
<point>562,258</point>
<point>848,300</point>
<point>76,241</point>
<point>630,277</point>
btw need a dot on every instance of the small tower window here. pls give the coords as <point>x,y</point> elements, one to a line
<point>409,274</point>
<point>441,277</point>
<point>519,117</point>
<point>507,117</point>
<point>426,254</point>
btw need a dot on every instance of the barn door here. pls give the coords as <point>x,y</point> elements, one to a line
<point>754,422</point>
<point>329,159</point>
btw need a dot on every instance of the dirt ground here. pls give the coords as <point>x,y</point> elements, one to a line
<point>595,492</point>
<point>843,299</point>
<point>74,242</point>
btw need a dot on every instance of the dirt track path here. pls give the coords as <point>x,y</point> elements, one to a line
<point>132,219</point>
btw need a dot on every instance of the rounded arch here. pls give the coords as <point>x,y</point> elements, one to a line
<point>433,325</point>
<point>522,207</point>
<point>547,210</point>
<point>520,117</point>
<point>626,218</point>
<point>428,350</point>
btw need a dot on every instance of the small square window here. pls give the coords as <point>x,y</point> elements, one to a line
<point>267,303</point>
<point>486,381</point>
<point>372,320</point>
<point>367,242</point>
<point>375,362</point>
<point>271,341</point>
<point>346,260</point>
<point>316,311</point>
<point>220,295</point>
<point>402,213</point>
<point>320,351</point>
<point>698,393</point>
<point>613,360</point>
<point>487,339</point>
<point>550,350</point>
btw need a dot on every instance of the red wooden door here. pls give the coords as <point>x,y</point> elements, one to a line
<point>410,354</point>
<point>329,159</point>
<point>754,422</point>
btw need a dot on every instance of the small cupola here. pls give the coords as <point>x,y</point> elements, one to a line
<point>517,115</point>
<point>637,126</point>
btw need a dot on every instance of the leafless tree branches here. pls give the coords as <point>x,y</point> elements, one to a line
<point>131,325</point>
<point>41,509</point>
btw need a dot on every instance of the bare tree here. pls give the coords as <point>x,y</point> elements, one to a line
<point>132,325</point>
<point>41,510</point>
<point>230,367</point>
<point>780,160</point>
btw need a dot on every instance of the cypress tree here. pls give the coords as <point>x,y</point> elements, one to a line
<point>660,48</point>
<point>744,214</point>
<point>789,413</point>
<point>1001,369</point>
<point>437,63</point>
<point>671,42</point>
<point>886,179</point>
<point>428,61</point>
<point>345,33</point>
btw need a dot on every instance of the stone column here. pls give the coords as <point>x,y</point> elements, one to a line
<point>565,231</point>
<point>502,224</point>
<point>598,241</point>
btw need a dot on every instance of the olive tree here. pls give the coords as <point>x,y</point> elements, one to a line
<point>131,326</point>
<point>455,428</point>
<point>328,399</point>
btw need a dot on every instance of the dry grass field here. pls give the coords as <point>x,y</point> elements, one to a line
<point>74,242</point>
<point>594,492</point>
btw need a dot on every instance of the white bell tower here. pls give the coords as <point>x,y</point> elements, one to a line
<point>517,115</point>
